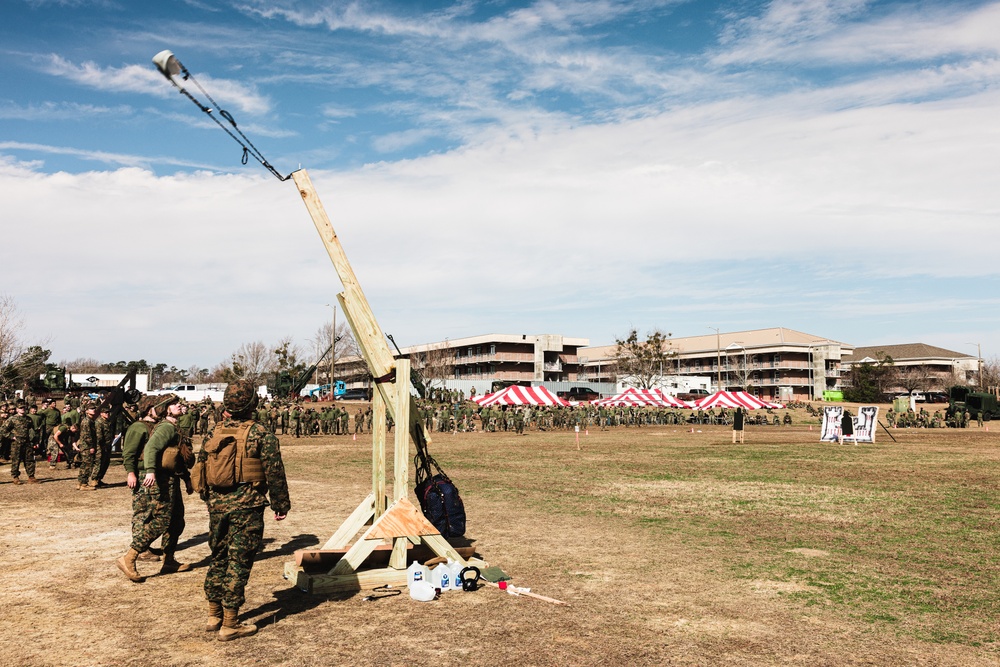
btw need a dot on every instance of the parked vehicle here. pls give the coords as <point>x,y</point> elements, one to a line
<point>693,395</point>
<point>976,402</point>
<point>579,394</point>
<point>322,392</point>
<point>193,393</point>
<point>356,395</point>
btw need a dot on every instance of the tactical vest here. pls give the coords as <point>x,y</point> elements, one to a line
<point>228,462</point>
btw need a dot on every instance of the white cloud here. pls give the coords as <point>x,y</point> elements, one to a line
<point>148,81</point>
<point>856,196</point>
<point>100,156</point>
<point>826,32</point>
<point>46,111</point>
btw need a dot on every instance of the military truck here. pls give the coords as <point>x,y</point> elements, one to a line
<point>961,398</point>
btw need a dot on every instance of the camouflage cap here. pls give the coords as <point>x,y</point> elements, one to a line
<point>240,397</point>
<point>158,401</point>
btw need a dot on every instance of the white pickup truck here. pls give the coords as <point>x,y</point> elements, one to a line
<point>193,393</point>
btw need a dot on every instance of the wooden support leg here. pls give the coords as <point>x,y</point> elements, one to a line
<point>354,523</point>
<point>378,452</point>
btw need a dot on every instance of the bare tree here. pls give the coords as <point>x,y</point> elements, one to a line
<point>20,363</point>
<point>642,363</point>
<point>11,326</point>
<point>252,361</point>
<point>84,365</point>
<point>912,378</point>
<point>434,366</point>
<point>991,373</point>
<point>742,369</point>
<point>345,345</point>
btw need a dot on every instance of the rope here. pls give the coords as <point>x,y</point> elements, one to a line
<point>248,148</point>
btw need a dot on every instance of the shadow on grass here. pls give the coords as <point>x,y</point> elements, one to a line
<point>288,602</point>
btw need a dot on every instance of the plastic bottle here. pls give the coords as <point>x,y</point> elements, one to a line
<point>455,568</point>
<point>417,572</point>
<point>422,591</point>
<point>441,577</point>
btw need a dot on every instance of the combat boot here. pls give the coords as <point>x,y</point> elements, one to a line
<point>214,623</point>
<point>16,481</point>
<point>170,565</point>
<point>32,480</point>
<point>232,629</point>
<point>85,487</point>
<point>127,565</point>
<point>149,556</point>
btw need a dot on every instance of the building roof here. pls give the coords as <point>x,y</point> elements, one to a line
<point>496,338</point>
<point>904,352</point>
<point>772,338</point>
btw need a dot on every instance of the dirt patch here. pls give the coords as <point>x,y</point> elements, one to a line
<point>704,568</point>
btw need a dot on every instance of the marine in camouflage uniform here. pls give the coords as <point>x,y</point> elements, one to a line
<point>87,446</point>
<point>157,504</point>
<point>236,516</point>
<point>18,429</point>
<point>104,437</point>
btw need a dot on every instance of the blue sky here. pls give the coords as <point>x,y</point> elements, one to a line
<point>502,167</point>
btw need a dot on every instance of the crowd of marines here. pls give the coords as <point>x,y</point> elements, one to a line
<point>81,436</point>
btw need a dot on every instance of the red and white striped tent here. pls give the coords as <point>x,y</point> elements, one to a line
<point>734,399</point>
<point>517,395</point>
<point>633,397</point>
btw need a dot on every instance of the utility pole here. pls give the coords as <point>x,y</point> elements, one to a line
<point>718,358</point>
<point>333,348</point>
<point>979,363</point>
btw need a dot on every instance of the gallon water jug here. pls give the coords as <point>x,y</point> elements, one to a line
<point>417,572</point>
<point>455,569</point>
<point>441,577</point>
<point>422,591</point>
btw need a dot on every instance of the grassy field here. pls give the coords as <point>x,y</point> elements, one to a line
<point>671,547</point>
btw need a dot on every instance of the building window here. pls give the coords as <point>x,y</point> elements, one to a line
<point>470,351</point>
<point>493,349</point>
<point>479,350</point>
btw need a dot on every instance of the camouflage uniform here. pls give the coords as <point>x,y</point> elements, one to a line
<point>104,436</point>
<point>87,445</point>
<point>161,506</point>
<point>18,428</point>
<point>236,518</point>
<point>236,515</point>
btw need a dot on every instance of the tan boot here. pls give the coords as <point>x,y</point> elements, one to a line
<point>170,565</point>
<point>232,629</point>
<point>214,623</point>
<point>127,565</point>
<point>32,480</point>
<point>84,487</point>
<point>148,556</point>
<point>94,483</point>
<point>16,481</point>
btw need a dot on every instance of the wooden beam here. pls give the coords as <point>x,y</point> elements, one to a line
<point>440,546</point>
<point>355,556</point>
<point>378,453</point>
<point>350,583</point>
<point>354,523</point>
<point>402,436</point>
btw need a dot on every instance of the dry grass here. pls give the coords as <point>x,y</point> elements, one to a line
<point>672,548</point>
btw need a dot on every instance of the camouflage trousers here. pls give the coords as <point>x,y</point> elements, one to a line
<point>157,510</point>
<point>87,466</point>
<point>22,451</point>
<point>103,461</point>
<point>234,538</point>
